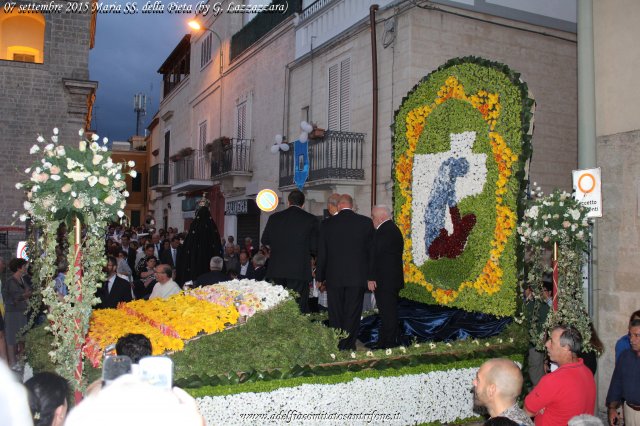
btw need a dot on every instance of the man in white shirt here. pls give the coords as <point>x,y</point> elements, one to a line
<point>165,286</point>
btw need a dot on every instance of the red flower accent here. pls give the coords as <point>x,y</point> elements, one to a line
<point>452,246</point>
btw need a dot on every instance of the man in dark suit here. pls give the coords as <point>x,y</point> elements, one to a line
<point>344,252</point>
<point>292,236</point>
<point>170,257</point>
<point>388,245</point>
<point>115,289</point>
<point>214,276</point>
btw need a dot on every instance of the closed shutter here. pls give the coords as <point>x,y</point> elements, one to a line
<point>339,114</point>
<point>345,89</point>
<point>334,98</point>
<point>242,120</point>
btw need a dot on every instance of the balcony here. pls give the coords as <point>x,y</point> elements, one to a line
<point>192,172</point>
<point>231,157</point>
<point>160,177</point>
<point>334,159</point>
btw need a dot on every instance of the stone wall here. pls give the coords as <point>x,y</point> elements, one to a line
<point>426,39</point>
<point>38,97</point>
<point>618,244</point>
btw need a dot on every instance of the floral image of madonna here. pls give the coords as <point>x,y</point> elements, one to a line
<point>461,140</point>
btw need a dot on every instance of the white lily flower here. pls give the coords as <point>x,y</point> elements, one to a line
<point>55,131</point>
<point>133,173</point>
<point>40,139</point>
<point>34,149</point>
<point>94,137</point>
<point>131,163</point>
<point>92,180</point>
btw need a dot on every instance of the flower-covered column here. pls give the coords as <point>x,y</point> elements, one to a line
<point>69,189</point>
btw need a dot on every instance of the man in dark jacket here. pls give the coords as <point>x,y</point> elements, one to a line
<point>344,253</point>
<point>388,273</point>
<point>292,236</point>
<point>115,289</point>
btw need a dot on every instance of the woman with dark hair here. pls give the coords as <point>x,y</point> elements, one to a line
<point>48,399</point>
<point>16,293</point>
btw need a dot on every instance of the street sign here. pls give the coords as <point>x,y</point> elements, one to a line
<point>267,200</point>
<point>587,184</point>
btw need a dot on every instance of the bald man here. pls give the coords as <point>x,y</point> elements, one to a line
<point>388,245</point>
<point>344,250</point>
<point>497,386</point>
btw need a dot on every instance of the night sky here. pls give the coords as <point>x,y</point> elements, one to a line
<point>128,51</point>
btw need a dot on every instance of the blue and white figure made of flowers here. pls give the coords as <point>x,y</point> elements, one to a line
<point>440,182</point>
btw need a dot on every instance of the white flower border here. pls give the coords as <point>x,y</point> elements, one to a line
<point>428,397</point>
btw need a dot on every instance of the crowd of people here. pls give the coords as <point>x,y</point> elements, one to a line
<point>335,265</point>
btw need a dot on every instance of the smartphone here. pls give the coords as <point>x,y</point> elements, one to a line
<point>114,367</point>
<point>157,371</point>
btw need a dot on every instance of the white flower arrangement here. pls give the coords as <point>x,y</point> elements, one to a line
<point>442,396</point>
<point>75,176</point>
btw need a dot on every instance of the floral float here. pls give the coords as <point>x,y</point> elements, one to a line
<point>461,141</point>
<point>171,322</point>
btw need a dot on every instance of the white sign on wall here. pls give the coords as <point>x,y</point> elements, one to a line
<point>587,184</point>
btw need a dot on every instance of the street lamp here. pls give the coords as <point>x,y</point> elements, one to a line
<point>195,25</point>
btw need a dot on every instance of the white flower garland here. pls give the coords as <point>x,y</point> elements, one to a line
<point>436,396</point>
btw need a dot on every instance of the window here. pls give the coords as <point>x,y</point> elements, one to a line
<point>205,51</point>
<point>22,36</point>
<point>338,117</point>
<point>135,217</point>
<point>202,139</point>
<point>241,119</point>
<point>136,183</point>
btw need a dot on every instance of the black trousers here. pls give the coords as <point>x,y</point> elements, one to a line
<point>387,301</point>
<point>345,310</point>
<point>299,286</point>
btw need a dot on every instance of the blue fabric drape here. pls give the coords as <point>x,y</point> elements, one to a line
<point>301,163</point>
<point>422,322</point>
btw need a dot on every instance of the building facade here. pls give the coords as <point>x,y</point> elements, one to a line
<point>44,81</point>
<point>223,103</point>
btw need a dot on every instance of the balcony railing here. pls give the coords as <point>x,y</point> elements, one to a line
<point>159,176</point>
<point>193,167</point>
<point>233,157</point>
<point>337,156</point>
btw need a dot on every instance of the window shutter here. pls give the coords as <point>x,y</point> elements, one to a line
<point>345,90</point>
<point>242,121</point>
<point>333,121</point>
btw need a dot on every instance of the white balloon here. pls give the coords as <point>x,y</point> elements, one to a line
<point>284,147</point>
<point>306,127</point>
<point>275,149</point>
<point>304,136</point>
<point>278,138</point>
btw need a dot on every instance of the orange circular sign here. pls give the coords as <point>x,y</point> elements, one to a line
<point>267,200</point>
<point>592,184</point>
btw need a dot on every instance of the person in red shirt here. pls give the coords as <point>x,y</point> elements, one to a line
<point>567,392</point>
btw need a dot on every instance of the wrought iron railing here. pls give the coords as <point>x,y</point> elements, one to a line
<point>159,175</point>
<point>234,156</point>
<point>193,167</point>
<point>338,155</point>
<point>313,8</point>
